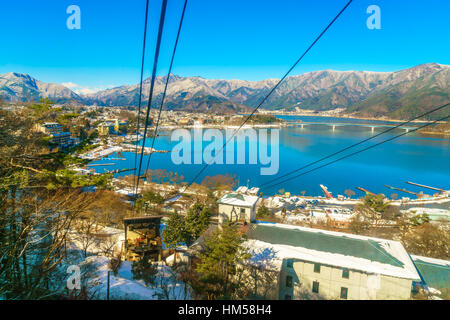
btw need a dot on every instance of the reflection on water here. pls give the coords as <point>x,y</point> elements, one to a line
<point>411,157</point>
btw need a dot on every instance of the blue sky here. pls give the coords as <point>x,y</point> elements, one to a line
<point>233,39</point>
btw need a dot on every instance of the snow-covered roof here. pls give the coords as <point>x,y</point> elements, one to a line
<point>237,199</point>
<point>441,262</point>
<point>367,254</point>
<point>435,272</point>
<point>242,189</point>
<point>246,190</point>
<point>253,190</point>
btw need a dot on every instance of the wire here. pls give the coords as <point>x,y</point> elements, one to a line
<point>165,86</point>
<point>356,152</point>
<point>155,65</point>
<point>140,90</point>
<point>354,145</point>
<point>270,92</point>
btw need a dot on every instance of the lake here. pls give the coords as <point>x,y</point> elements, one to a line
<point>421,159</point>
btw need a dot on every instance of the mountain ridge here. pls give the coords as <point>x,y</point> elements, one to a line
<point>400,93</point>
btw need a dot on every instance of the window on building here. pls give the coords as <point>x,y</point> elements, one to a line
<point>317,267</point>
<point>290,263</point>
<point>315,287</point>
<point>289,281</point>
<point>287,297</point>
<point>242,210</point>
<point>345,273</point>
<point>344,292</point>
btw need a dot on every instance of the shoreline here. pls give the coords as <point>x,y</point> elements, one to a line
<point>349,117</point>
<point>445,135</point>
<point>287,124</point>
<point>436,133</point>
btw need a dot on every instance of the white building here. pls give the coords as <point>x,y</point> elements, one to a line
<point>237,207</point>
<point>314,263</point>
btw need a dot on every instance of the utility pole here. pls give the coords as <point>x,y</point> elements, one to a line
<point>107,289</point>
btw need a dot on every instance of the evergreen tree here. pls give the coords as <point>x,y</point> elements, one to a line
<point>144,270</point>
<point>419,219</point>
<point>153,197</point>
<point>197,221</point>
<point>262,212</point>
<point>174,233</point>
<point>368,213</point>
<point>376,202</point>
<point>218,266</point>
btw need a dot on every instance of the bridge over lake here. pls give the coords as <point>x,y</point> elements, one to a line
<point>349,124</point>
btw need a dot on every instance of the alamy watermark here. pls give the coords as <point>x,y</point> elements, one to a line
<point>74,280</point>
<point>74,20</point>
<point>374,20</point>
<point>189,149</point>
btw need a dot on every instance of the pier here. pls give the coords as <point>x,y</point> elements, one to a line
<point>147,150</point>
<point>104,153</point>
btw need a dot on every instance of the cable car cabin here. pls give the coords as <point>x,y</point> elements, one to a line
<point>142,238</point>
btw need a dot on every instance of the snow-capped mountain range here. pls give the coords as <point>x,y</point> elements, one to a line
<point>400,94</point>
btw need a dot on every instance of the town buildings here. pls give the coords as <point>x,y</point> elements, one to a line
<point>62,139</point>
<point>49,127</point>
<point>112,126</point>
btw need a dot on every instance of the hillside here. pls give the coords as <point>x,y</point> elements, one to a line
<point>409,93</point>
<point>22,87</point>
<point>399,94</point>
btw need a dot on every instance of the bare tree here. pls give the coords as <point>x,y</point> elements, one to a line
<point>349,193</point>
<point>169,286</point>
<point>428,240</point>
<point>38,206</point>
<point>108,209</point>
<point>34,243</point>
<point>85,234</point>
<point>359,224</point>
<point>220,182</point>
<point>177,178</point>
<point>258,275</point>
<point>108,246</point>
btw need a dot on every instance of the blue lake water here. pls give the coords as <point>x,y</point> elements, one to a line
<point>416,158</point>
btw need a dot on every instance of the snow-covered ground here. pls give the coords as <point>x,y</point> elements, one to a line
<point>440,199</point>
<point>433,213</point>
<point>122,286</point>
<point>100,152</point>
<point>278,201</point>
<point>316,215</point>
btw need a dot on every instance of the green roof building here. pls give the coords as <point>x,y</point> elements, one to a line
<point>316,263</point>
